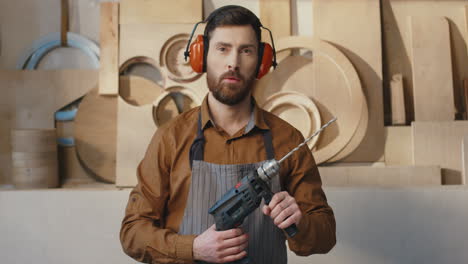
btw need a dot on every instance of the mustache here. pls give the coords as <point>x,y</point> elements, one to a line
<point>231,74</point>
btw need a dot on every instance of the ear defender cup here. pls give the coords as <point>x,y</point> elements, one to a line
<point>265,59</point>
<point>198,54</point>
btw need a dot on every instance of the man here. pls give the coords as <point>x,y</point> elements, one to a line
<point>192,161</point>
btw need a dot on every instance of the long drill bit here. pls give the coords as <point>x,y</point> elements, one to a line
<point>307,140</point>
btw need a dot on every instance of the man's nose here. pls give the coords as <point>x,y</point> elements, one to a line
<point>233,61</point>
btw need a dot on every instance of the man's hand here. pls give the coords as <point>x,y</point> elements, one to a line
<point>220,246</point>
<point>283,209</point>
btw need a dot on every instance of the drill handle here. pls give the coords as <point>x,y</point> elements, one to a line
<point>290,230</point>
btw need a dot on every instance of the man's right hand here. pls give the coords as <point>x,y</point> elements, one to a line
<point>220,246</point>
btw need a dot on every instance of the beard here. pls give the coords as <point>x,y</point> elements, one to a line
<point>230,93</point>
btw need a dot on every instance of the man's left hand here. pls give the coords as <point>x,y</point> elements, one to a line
<point>283,209</point>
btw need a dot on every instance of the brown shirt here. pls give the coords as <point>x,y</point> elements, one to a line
<point>156,205</point>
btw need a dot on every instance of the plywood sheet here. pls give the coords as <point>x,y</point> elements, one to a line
<point>398,100</point>
<point>160,11</point>
<point>135,127</point>
<point>338,22</point>
<point>432,69</point>
<point>398,146</point>
<point>109,53</point>
<point>396,39</point>
<point>439,143</point>
<point>390,176</point>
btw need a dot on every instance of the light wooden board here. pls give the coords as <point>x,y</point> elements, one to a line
<point>390,176</point>
<point>439,143</point>
<point>109,52</point>
<point>160,11</point>
<point>398,145</point>
<point>432,69</point>
<point>398,100</point>
<point>270,11</point>
<point>396,37</point>
<point>135,127</point>
<point>465,159</point>
<point>328,73</point>
<point>338,22</point>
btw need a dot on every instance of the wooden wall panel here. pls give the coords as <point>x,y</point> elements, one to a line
<point>439,143</point>
<point>396,40</point>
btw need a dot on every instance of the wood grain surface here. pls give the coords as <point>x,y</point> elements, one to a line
<point>109,49</point>
<point>432,69</point>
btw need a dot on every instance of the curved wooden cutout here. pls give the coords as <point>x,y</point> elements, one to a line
<point>346,104</point>
<point>307,123</point>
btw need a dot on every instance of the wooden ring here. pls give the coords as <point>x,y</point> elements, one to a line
<point>304,104</point>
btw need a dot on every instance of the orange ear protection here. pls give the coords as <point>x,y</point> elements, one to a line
<point>198,50</point>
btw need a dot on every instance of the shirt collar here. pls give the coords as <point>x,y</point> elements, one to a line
<point>257,118</point>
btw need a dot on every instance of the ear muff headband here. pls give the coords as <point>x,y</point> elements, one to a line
<point>198,50</point>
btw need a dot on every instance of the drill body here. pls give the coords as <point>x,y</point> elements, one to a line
<point>236,204</point>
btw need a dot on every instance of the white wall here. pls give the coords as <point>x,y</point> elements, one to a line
<point>373,226</point>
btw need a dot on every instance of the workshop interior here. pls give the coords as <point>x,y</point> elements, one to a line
<point>85,84</point>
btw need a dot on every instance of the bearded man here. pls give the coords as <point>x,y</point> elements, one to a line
<point>194,159</point>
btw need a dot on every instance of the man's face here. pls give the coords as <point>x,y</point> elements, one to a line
<point>231,63</point>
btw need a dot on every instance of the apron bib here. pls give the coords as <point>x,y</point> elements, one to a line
<point>210,181</point>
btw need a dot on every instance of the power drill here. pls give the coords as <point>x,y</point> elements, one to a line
<point>241,200</point>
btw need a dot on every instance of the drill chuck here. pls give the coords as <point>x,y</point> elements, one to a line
<point>268,170</point>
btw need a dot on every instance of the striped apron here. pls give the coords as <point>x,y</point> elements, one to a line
<point>210,182</point>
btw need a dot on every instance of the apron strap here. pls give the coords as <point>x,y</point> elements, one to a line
<point>268,143</point>
<point>198,146</point>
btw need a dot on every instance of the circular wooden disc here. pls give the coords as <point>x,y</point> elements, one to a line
<point>330,79</point>
<point>298,110</point>
<point>172,58</point>
<point>96,135</point>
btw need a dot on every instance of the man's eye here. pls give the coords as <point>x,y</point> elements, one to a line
<point>248,51</point>
<point>222,49</point>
